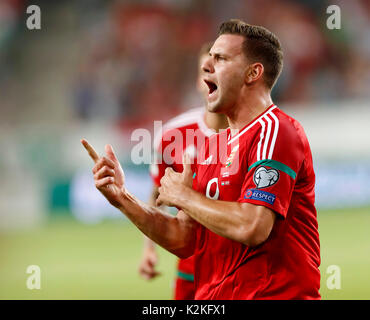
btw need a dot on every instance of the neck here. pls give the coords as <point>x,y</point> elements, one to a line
<point>215,121</point>
<point>252,103</point>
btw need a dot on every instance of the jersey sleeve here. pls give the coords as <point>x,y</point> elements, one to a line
<point>273,162</point>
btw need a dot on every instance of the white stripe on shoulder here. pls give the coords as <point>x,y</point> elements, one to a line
<point>276,130</point>
<point>250,126</point>
<point>267,139</point>
<point>189,117</point>
<point>261,138</point>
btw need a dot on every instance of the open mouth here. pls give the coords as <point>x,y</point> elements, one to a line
<point>211,86</point>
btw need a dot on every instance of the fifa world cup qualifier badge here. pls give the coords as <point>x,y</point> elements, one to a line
<point>264,177</point>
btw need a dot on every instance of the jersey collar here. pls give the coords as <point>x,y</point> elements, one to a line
<point>230,138</point>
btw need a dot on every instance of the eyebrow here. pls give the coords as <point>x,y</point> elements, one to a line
<point>218,54</point>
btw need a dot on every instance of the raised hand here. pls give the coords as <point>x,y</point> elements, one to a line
<point>108,174</point>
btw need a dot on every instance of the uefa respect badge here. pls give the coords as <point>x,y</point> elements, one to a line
<point>256,194</point>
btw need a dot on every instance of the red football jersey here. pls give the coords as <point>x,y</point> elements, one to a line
<point>186,132</point>
<point>268,163</point>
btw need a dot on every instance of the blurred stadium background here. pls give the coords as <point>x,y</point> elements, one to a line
<point>100,69</point>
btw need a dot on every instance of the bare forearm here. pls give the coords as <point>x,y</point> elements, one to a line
<point>172,233</point>
<point>148,243</point>
<point>237,221</point>
<point>212,214</point>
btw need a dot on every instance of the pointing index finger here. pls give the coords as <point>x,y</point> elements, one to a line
<point>91,151</point>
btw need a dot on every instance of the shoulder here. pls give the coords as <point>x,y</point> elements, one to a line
<point>186,120</point>
<point>283,141</point>
<point>271,135</point>
<point>290,130</point>
<point>277,141</point>
<point>275,127</point>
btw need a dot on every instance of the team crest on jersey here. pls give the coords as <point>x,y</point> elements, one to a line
<point>264,177</point>
<point>231,157</point>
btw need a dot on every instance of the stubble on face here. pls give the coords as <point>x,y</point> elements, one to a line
<point>225,67</point>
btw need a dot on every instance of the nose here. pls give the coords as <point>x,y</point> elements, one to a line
<point>207,65</point>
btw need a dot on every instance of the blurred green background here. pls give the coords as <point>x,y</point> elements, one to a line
<point>100,261</point>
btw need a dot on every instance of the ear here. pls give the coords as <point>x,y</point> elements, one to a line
<point>254,72</point>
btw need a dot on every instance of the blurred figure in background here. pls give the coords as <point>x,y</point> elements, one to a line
<point>204,124</point>
<point>141,52</point>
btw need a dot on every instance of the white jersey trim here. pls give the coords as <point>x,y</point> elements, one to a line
<point>262,134</point>
<point>251,125</point>
<point>266,139</point>
<point>193,116</point>
<point>272,147</point>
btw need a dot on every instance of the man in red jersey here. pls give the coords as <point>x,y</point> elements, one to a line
<point>251,203</point>
<point>203,124</point>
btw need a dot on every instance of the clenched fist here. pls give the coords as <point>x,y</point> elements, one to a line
<point>174,185</point>
<point>108,174</point>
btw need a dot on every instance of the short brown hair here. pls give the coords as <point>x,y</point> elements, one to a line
<point>260,45</point>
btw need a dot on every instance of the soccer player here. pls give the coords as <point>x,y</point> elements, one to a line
<point>248,217</point>
<point>203,124</point>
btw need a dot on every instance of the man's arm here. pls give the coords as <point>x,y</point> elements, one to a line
<point>175,234</point>
<point>148,243</point>
<point>149,258</point>
<point>243,222</point>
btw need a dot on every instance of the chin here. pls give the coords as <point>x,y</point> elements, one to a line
<point>214,107</point>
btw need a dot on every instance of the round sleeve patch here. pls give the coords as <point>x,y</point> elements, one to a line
<point>264,177</point>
